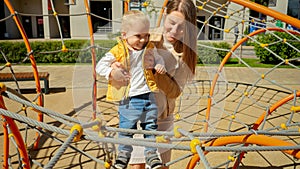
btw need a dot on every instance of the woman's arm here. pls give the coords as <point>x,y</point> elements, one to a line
<point>168,85</point>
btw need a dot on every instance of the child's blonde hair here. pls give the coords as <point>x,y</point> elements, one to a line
<point>134,18</point>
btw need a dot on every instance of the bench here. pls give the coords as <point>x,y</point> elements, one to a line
<point>26,76</point>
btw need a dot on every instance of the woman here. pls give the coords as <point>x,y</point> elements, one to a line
<point>176,42</point>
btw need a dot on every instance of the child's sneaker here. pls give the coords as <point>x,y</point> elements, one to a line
<point>153,161</point>
<point>121,162</point>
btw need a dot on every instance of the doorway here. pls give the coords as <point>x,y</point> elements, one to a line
<point>40,27</point>
<point>216,33</point>
<point>201,35</point>
<point>65,26</point>
<point>104,10</point>
<point>27,24</point>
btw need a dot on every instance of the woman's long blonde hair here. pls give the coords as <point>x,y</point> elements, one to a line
<point>188,45</point>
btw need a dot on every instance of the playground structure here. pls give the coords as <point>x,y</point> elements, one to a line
<point>215,116</point>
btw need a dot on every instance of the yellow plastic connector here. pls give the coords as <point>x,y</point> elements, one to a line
<point>243,21</point>
<point>231,158</point>
<point>8,64</point>
<point>2,88</point>
<point>205,22</point>
<point>246,93</point>
<point>97,127</point>
<point>233,116</point>
<point>64,49</point>
<point>107,164</point>
<point>161,139</point>
<point>80,131</point>
<point>284,40</point>
<point>226,17</point>
<point>295,109</point>
<point>226,30</point>
<point>101,135</point>
<point>54,13</point>
<point>200,7</point>
<point>177,116</point>
<point>145,4</point>
<point>32,108</point>
<point>262,76</point>
<point>24,108</point>
<point>177,134</point>
<point>286,61</point>
<point>252,20</point>
<point>215,12</point>
<point>283,126</point>
<point>264,45</point>
<point>10,135</point>
<point>193,144</point>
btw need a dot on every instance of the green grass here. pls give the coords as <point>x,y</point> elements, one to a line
<point>234,62</point>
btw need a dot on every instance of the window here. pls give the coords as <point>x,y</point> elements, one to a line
<point>293,8</point>
<point>272,3</point>
<point>137,5</point>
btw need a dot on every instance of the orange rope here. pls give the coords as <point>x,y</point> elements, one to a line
<point>94,95</point>
<point>33,64</point>
<point>239,43</point>
<point>161,13</point>
<point>268,11</point>
<point>260,140</point>
<point>17,137</point>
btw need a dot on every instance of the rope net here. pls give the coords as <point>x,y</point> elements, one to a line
<point>226,117</point>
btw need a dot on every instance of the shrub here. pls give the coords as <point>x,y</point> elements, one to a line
<point>208,54</point>
<point>50,51</point>
<point>222,45</point>
<point>281,49</point>
<point>14,52</point>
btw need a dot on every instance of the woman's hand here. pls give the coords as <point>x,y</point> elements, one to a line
<point>160,69</point>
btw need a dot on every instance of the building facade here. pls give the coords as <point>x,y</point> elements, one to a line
<point>38,21</point>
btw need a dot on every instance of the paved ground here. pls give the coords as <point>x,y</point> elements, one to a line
<point>70,94</point>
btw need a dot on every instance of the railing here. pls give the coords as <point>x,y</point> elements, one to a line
<point>104,29</point>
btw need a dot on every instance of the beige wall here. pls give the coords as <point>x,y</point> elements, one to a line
<point>60,8</point>
<point>46,20</point>
<point>229,23</point>
<point>78,24</point>
<point>116,15</point>
<point>281,6</point>
<point>11,28</point>
<point>35,7</point>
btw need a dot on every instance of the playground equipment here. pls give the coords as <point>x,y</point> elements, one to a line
<point>217,122</point>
